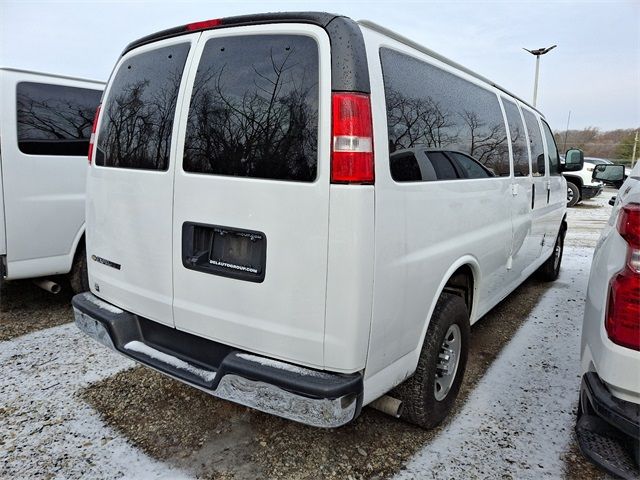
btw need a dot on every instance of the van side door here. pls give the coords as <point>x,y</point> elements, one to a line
<point>539,197</point>
<point>557,186</point>
<point>525,248</point>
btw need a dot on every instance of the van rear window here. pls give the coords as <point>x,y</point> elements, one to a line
<point>254,108</point>
<point>55,119</point>
<point>137,119</point>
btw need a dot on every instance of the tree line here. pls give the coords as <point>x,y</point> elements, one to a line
<point>611,144</point>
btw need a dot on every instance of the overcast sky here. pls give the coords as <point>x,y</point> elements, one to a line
<point>594,72</point>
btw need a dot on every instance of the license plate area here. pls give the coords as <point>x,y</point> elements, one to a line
<point>224,251</point>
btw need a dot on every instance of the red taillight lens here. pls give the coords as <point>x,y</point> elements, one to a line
<point>352,139</point>
<point>629,224</point>
<point>96,117</point>
<point>623,312</point>
<point>623,309</point>
<point>204,25</point>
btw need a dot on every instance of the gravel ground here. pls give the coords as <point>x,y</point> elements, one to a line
<point>25,308</point>
<point>71,409</point>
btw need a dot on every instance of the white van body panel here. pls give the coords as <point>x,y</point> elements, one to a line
<point>422,229</point>
<point>350,277</point>
<point>43,195</point>
<point>129,219</point>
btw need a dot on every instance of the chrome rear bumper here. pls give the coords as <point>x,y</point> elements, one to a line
<point>313,397</point>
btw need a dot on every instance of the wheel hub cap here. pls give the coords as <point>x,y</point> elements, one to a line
<point>447,362</point>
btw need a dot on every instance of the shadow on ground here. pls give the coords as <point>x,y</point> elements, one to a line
<point>25,308</point>
<point>212,438</point>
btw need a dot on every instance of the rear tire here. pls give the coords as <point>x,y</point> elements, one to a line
<point>424,403</point>
<point>573,194</point>
<point>79,276</point>
<point>550,269</point>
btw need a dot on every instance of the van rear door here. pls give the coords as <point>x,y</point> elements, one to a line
<point>250,224</point>
<point>130,208</point>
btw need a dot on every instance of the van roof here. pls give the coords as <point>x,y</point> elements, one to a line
<point>321,19</point>
<point>51,75</point>
<point>410,43</point>
<point>342,40</point>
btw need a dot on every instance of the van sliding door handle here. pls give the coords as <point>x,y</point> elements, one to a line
<point>533,195</point>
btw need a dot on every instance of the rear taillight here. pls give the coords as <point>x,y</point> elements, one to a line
<point>629,224</point>
<point>96,117</point>
<point>204,25</point>
<point>623,310</point>
<point>352,139</point>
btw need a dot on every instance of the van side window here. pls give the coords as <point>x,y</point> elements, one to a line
<point>554,161</point>
<point>430,108</point>
<point>518,139</point>
<point>55,119</point>
<point>254,109</point>
<point>535,142</point>
<point>137,119</point>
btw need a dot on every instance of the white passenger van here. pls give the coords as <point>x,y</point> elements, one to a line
<point>45,125</point>
<point>300,213</point>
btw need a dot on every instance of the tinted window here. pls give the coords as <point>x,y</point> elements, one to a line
<point>137,119</point>
<point>443,166</point>
<point>430,108</point>
<point>54,119</point>
<point>469,166</point>
<point>405,168</point>
<point>518,139</point>
<point>553,150</point>
<point>535,142</point>
<point>254,108</point>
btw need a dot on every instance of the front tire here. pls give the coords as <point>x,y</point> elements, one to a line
<point>573,194</point>
<point>429,395</point>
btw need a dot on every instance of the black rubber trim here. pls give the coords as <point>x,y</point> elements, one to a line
<point>624,416</point>
<point>349,69</point>
<point>206,354</point>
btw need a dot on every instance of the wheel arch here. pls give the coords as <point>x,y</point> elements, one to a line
<point>468,266</point>
<point>77,241</point>
<point>575,179</point>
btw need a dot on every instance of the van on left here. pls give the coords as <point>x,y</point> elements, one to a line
<point>45,126</point>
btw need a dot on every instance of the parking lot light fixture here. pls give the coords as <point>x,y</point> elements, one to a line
<point>538,52</point>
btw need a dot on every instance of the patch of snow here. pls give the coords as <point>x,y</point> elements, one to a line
<point>269,362</point>
<point>46,430</point>
<point>101,304</point>
<point>140,347</point>
<point>517,422</point>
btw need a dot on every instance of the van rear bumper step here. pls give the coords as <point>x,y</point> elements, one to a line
<point>313,397</point>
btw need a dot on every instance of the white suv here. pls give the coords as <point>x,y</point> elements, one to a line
<point>608,427</point>
<point>299,212</point>
<point>581,185</point>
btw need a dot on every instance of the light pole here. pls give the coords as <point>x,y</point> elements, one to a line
<point>538,53</point>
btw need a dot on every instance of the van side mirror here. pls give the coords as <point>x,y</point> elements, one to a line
<point>609,174</point>
<point>574,160</point>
